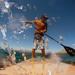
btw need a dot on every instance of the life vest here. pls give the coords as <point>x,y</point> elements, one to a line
<point>40,27</point>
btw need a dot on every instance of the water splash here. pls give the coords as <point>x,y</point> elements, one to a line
<point>3,31</point>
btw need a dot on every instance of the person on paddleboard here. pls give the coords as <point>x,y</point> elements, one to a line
<point>40,26</point>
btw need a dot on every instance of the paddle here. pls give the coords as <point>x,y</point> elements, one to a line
<point>68,49</point>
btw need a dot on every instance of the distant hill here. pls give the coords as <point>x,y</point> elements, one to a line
<point>62,52</point>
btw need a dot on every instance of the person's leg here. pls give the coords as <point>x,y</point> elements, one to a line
<point>35,47</point>
<point>33,53</point>
<point>43,52</point>
<point>42,47</point>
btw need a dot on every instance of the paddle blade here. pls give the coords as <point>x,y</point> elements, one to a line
<point>69,50</point>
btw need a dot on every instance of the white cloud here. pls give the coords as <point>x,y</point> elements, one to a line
<point>5,44</point>
<point>24,36</point>
<point>73,44</point>
<point>3,31</point>
<point>1,0</point>
<point>34,7</point>
<point>20,31</point>
<point>60,37</point>
<point>4,7</point>
<point>28,4</point>
<point>4,10</point>
<point>15,32</point>
<point>7,5</point>
<point>54,19</point>
<point>15,37</point>
<point>20,7</point>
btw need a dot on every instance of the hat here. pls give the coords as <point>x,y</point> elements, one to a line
<point>44,16</point>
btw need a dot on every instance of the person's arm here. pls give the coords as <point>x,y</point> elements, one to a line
<point>46,27</point>
<point>44,30</point>
<point>29,22</point>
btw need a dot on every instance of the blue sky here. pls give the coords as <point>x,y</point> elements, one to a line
<point>61,22</point>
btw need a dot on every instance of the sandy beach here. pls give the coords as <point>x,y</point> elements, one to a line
<point>40,67</point>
